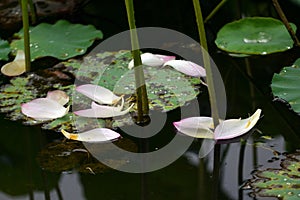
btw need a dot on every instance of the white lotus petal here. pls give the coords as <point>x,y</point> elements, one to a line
<point>115,108</point>
<point>94,135</point>
<point>152,60</point>
<point>187,67</point>
<point>44,109</point>
<point>59,96</point>
<point>98,94</point>
<point>198,127</point>
<point>232,128</point>
<point>16,67</point>
<point>102,112</point>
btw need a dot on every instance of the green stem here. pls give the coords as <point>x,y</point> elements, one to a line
<point>206,60</point>
<point>25,18</point>
<point>286,22</point>
<point>32,12</point>
<point>141,91</point>
<point>215,10</point>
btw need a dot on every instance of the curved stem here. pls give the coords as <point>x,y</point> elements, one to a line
<point>141,91</point>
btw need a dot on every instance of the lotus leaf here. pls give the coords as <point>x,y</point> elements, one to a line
<point>254,36</point>
<point>167,89</point>
<point>286,85</point>
<point>281,183</point>
<point>4,50</point>
<point>61,40</point>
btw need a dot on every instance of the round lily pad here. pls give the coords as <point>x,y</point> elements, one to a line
<point>61,40</point>
<point>286,85</point>
<point>254,36</point>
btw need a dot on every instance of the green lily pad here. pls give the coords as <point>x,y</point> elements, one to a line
<point>281,183</point>
<point>4,50</point>
<point>167,89</point>
<point>286,85</point>
<point>61,40</point>
<point>254,36</point>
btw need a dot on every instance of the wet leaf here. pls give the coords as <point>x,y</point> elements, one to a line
<point>255,36</point>
<point>4,50</point>
<point>286,85</point>
<point>282,183</point>
<point>61,40</point>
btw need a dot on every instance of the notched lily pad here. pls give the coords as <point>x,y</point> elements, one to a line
<point>61,40</point>
<point>254,36</point>
<point>286,85</point>
<point>282,183</point>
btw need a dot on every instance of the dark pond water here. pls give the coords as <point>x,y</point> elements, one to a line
<point>24,176</point>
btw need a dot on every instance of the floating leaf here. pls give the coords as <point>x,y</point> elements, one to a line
<point>61,40</point>
<point>281,183</point>
<point>167,89</point>
<point>286,85</point>
<point>254,35</point>
<point>4,50</point>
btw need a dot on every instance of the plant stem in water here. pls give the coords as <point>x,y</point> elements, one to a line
<point>286,22</point>
<point>32,12</point>
<point>141,91</point>
<point>25,18</point>
<point>215,10</point>
<point>206,60</point>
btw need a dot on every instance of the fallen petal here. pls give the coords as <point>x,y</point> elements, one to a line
<point>232,128</point>
<point>102,111</point>
<point>198,127</point>
<point>94,135</point>
<point>43,109</point>
<point>116,109</point>
<point>152,60</point>
<point>98,94</point>
<point>59,96</point>
<point>16,67</point>
<point>187,67</point>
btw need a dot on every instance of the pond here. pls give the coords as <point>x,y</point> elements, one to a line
<point>38,163</point>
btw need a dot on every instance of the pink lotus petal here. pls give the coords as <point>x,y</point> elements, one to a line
<point>98,94</point>
<point>59,96</point>
<point>198,127</point>
<point>232,128</point>
<point>102,111</point>
<point>152,60</point>
<point>43,109</point>
<point>187,67</point>
<point>94,135</point>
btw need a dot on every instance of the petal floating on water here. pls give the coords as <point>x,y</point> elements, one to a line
<point>44,109</point>
<point>152,60</point>
<point>232,128</point>
<point>100,111</point>
<point>16,67</point>
<point>59,96</point>
<point>198,127</point>
<point>94,135</point>
<point>98,94</point>
<point>187,67</point>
